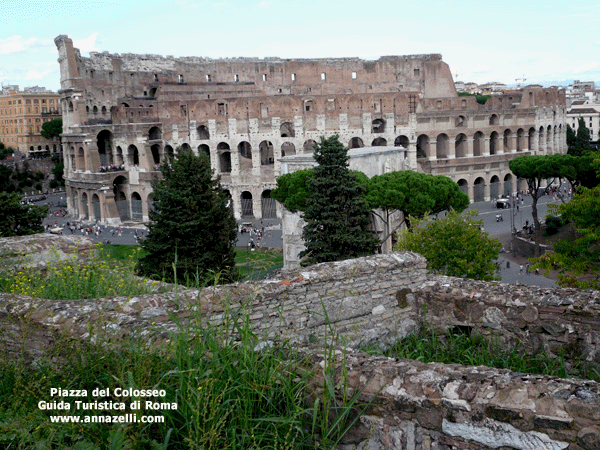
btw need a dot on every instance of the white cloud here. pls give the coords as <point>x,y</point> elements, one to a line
<point>18,44</point>
<point>87,44</point>
<point>585,67</point>
<point>265,4</point>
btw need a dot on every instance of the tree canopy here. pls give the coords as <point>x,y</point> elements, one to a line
<point>454,246</point>
<point>18,219</point>
<point>192,229</point>
<point>578,143</point>
<point>337,215</point>
<point>52,128</point>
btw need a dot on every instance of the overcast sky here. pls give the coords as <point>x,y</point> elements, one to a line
<point>482,41</point>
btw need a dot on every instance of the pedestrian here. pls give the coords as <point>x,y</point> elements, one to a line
<point>521,269</point>
<point>527,269</point>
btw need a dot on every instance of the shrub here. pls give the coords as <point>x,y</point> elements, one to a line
<point>54,184</point>
<point>553,225</point>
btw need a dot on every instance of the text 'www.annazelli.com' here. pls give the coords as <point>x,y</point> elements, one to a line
<point>125,418</point>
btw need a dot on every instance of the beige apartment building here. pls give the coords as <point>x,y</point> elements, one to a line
<point>22,114</point>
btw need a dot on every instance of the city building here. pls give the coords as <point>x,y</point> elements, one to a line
<point>22,114</point>
<point>587,110</point>
<point>125,115</point>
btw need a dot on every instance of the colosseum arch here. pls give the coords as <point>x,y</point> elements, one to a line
<point>266,153</point>
<point>268,205</point>
<point>136,206</point>
<point>155,150</point>
<point>494,119</point>
<point>379,142</point>
<point>495,186</point>
<point>460,121</point>
<point>169,152</point>
<point>203,133</point>
<point>288,149</point>
<point>185,146</point>
<point>245,153</point>
<point>287,130</point>
<point>120,193</point>
<point>96,209</point>
<point>531,139</point>
<point>309,146</point>
<point>463,185</point>
<point>401,141</point>
<point>356,142</point>
<point>80,161</point>
<point>460,146</point>
<point>521,141</point>
<point>493,143</point>
<point>441,146</point>
<point>479,190</point>
<point>84,206</point>
<point>378,126</point>
<point>104,141</point>
<point>119,160</point>
<point>423,150</point>
<point>508,184</point>
<point>154,134</point>
<point>507,141</point>
<point>133,156</point>
<point>224,153</point>
<point>246,202</point>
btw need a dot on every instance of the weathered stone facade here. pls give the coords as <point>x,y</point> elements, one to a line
<point>415,406</point>
<point>125,114</point>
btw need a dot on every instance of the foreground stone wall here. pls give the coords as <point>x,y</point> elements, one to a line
<point>414,406</point>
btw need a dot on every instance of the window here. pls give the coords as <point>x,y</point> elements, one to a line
<point>222,109</point>
<point>417,72</point>
<point>323,76</point>
<point>354,75</point>
<point>180,78</point>
<point>155,76</point>
<point>293,79</point>
<point>208,78</point>
<point>236,78</point>
<point>264,77</point>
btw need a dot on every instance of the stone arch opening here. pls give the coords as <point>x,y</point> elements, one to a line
<point>478,144</point>
<point>493,143</point>
<point>463,185</point>
<point>150,202</point>
<point>460,121</point>
<point>203,148</point>
<point>287,130</point>
<point>266,153</point>
<point>423,150</point>
<point>136,206</point>
<point>401,141</point>
<point>104,142</point>
<point>508,184</point>
<point>225,161</point>
<point>479,190</point>
<point>460,146</point>
<point>495,186</point>
<point>203,132</point>
<point>288,149</point>
<point>378,126</point>
<point>84,206</point>
<point>379,142</point>
<point>506,141</point>
<point>155,150</point>
<point>120,193</point>
<point>169,152</point>
<point>80,161</point>
<point>494,119</point>
<point>154,133</point>
<point>549,140</point>
<point>309,146</point>
<point>119,157</point>
<point>186,147</point>
<point>245,152</point>
<point>95,110</point>
<point>104,110</point>
<point>356,142</point>
<point>133,155</point>
<point>246,202</point>
<point>521,142</point>
<point>268,205</point>
<point>441,146</point>
<point>96,207</point>
<point>531,139</point>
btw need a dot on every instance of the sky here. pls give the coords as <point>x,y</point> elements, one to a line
<point>482,41</point>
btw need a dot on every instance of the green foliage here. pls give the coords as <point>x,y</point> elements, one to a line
<point>415,194</point>
<point>578,143</point>
<point>58,172</point>
<point>17,219</point>
<point>191,226</point>
<point>553,225</point>
<point>454,246</point>
<point>477,350</point>
<point>337,215</point>
<point>5,178</point>
<point>293,190</point>
<point>52,128</point>
<point>578,259</point>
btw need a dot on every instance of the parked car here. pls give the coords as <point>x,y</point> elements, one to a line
<point>502,203</point>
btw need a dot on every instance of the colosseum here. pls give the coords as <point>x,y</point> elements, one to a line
<point>125,114</point>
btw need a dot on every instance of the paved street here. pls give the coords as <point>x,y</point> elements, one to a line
<point>271,232</point>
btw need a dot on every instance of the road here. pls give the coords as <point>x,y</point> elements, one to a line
<point>272,237</point>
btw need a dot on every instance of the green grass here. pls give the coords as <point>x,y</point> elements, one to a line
<point>477,350</point>
<point>228,395</point>
<point>259,263</point>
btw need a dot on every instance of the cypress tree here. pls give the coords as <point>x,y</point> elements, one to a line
<point>192,229</point>
<point>337,215</point>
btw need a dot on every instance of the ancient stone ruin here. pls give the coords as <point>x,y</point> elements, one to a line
<point>376,300</point>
